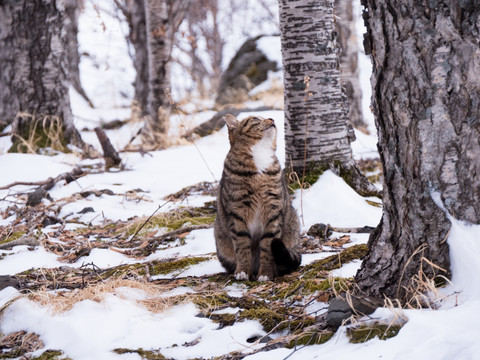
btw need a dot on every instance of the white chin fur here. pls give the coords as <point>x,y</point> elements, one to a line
<point>263,151</point>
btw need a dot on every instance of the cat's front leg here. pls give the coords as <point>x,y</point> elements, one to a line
<point>266,269</point>
<point>243,253</point>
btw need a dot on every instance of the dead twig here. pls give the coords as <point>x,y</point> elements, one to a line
<point>23,240</point>
<point>355,230</point>
<point>182,230</point>
<point>148,219</point>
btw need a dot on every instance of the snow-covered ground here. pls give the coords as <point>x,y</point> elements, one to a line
<point>91,329</point>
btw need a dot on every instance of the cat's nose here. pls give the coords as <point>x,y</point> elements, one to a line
<point>270,121</point>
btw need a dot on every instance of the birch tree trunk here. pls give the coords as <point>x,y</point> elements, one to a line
<point>159,49</point>
<point>349,72</point>
<point>426,101</point>
<point>316,131</point>
<point>34,77</point>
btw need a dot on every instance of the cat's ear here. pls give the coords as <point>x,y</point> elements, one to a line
<point>231,121</point>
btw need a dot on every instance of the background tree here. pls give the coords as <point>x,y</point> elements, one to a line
<point>72,11</point>
<point>316,130</point>
<point>152,32</point>
<point>134,12</point>
<point>34,79</point>
<point>203,25</point>
<point>345,23</point>
<point>426,101</point>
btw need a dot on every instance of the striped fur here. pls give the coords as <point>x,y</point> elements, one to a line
<point>256,229</point>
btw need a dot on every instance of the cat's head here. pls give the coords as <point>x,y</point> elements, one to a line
<point>251,130</point>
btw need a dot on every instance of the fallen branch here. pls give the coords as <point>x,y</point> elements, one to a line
<point>109,153</point>
<point>35,197</point>
<point>23,240</point>
<point>355,230</point>
<point>69,177</point>
<point>25,183</point>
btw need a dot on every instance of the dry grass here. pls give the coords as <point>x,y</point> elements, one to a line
<point>422,290</point>
<point>22,342</point>
<point>44,131</point>
<point>62,301</point>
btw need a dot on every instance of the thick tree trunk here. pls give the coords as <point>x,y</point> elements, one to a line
<point>34,78</point>
<point>315,110</point>
<point>349,74</point>
<point>426,101</point>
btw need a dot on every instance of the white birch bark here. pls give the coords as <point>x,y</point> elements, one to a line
<point>159,48</point>
<point>317,117</point>
<point>34,77</point>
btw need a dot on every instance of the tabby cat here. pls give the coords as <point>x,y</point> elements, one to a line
<point>256,229</point>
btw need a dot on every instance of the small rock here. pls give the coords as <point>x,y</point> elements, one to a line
<point>49,220</point>
<point>86,210</point>
<point>320,230</point>
<point>35,198</point>
<point>6,281</point>
<point>339,309</point>
<point>263,339</point>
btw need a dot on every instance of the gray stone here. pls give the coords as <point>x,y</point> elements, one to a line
<point>6,281</point>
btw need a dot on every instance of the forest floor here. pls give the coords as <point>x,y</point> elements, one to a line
<point>79,245</point>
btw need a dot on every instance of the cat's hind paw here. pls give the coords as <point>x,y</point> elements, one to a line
<point>263,278</point>
<point>241,276</point>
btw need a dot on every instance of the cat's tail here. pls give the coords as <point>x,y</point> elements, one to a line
<point>286,260</point>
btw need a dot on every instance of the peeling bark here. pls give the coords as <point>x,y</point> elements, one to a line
<point>426,101</point>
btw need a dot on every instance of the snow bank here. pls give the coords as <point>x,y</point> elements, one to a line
<point>331,201</point>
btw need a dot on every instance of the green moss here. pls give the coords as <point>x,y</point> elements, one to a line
<point>223,319</point>
<point>213,302</point>
<point>169,266</point>
<point>373,203</point>
<point>51,355</point>
<point>175,220</point>
<point>14,236</point>
<point>270,319</point>
<point>364,333</point>
<point>300,287</point>
<point>315,338</point>
<point>12,354</point>
<point>154,267</point>
<point>312,174</point>
<point>144,354</point>
<point>275,319</point>
<point>335,261</point>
